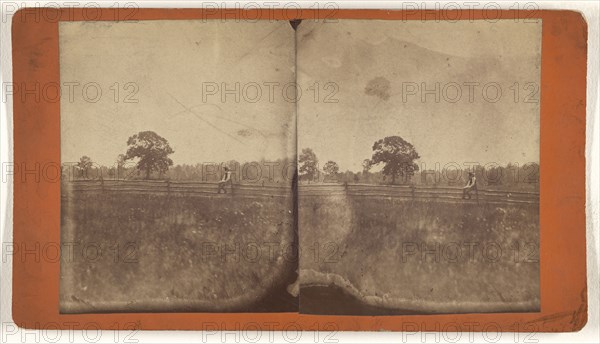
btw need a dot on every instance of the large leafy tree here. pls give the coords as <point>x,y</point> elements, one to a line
<point>152,150</point>
<point>308,164</point>
<point>397,155</point>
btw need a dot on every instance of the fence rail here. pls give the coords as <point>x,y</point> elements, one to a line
<point>418,192</point>
<point>444,194</point>
<point>175,187</point>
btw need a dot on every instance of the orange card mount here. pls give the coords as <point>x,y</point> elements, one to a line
<point>562,182</point>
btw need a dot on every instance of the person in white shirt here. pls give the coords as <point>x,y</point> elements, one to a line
<point>226,179</point>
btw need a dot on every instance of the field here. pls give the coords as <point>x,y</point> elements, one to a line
<point>373,250</point>
<point>136,248</point>
<point>364,249</point>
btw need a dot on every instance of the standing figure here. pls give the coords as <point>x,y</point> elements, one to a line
<point>471,186</point>
<point>226,179</point>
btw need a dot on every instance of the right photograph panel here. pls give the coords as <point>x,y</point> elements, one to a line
<point>418,158</point>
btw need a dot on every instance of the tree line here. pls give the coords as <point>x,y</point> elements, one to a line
<point>397,160</point>
<point>149,150</point>
<point>147,157</point>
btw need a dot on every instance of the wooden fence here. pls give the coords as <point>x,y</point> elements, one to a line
<point>447,194</point>
<point>175,188</point>
<point>444,194</point>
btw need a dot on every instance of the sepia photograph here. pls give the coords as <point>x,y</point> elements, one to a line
<point>177,186</point>
<point>419,169</point>
<point>354,167</point>
<point>299,172</point>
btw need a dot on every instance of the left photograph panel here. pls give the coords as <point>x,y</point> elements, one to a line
<point>178,154</point>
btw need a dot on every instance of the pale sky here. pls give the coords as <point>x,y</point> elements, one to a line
<point>368,67</point>
<point>172,64</point>
<point>375,63</point>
